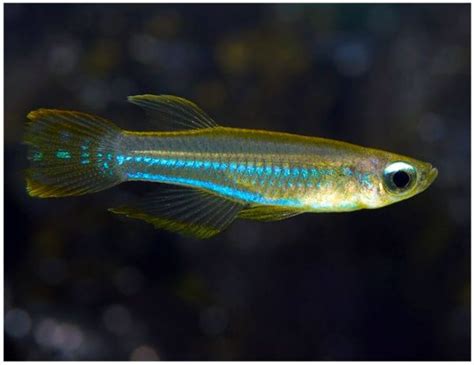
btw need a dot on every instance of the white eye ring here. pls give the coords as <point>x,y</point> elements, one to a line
<point>397,166</point>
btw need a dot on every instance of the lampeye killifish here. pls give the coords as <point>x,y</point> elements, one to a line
<point>217,173</point>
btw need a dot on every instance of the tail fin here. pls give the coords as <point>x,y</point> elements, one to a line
<point>71,153</point>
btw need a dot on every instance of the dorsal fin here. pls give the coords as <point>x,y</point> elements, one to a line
<point>172,112</point>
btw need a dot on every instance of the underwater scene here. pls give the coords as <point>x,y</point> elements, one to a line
<point>237,182</point>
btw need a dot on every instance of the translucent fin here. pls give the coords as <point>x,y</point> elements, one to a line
<point>267,213</point>
<point>70,153</point>
<point>187,211</point>
<point>172,112</point>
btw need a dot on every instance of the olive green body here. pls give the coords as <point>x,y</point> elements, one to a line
<point>277,169</point>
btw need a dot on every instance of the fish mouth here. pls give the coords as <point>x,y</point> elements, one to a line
<point>429,177</point>
<point>433,174</point>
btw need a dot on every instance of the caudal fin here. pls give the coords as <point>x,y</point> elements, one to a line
<point>71,153</point>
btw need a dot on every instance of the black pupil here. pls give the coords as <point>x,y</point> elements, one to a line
<point>401,179</point>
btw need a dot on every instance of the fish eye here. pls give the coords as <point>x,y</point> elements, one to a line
<point>399,177</point>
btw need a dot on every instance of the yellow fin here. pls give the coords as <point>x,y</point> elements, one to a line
<point>187,211</point>
<point>173,112</point>
<point>70,153</point>
<point>267,213</point>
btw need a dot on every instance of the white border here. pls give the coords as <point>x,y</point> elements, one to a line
<point>194,2</point>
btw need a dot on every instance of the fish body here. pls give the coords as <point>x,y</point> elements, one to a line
<point>259,167</point>
<point>220,173</point>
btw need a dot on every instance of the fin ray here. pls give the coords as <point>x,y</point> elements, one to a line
<point>63,148</point>
<point>268,213</point>
<point>172,112</point>
<point>184,210</point>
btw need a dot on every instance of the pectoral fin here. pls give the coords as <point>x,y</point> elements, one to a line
<point>187,211</point>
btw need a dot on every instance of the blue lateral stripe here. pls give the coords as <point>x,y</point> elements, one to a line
<point>222,190</point>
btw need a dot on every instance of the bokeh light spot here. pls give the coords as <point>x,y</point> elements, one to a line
<point>117,319</point>
<point>17,323</point>
<point>144,353</point>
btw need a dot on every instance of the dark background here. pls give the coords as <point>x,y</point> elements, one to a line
<point>387,284</point>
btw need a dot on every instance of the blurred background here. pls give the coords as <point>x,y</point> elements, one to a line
<point>387,284</point>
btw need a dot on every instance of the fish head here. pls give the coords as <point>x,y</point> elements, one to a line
<point>393,178</point>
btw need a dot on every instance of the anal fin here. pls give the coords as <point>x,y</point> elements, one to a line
<point>267,213</point>
<point>188,211</point>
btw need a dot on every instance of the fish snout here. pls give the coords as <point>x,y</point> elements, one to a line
<point>429,176</point>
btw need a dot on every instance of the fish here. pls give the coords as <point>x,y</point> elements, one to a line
<point>208,174</point>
